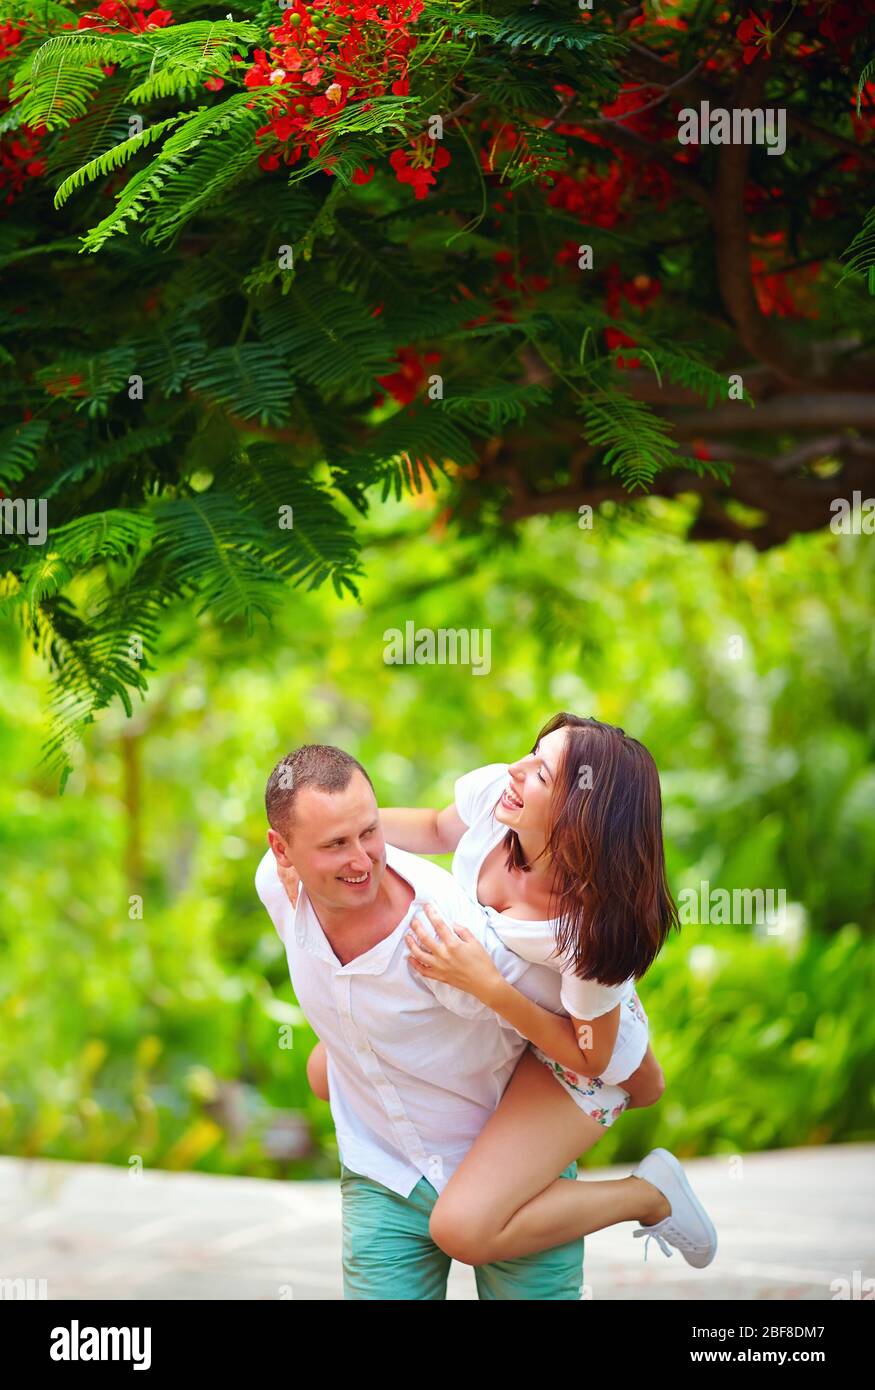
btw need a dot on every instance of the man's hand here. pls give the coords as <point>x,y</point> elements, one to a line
<point>290,881</point>
<point>454,956</point>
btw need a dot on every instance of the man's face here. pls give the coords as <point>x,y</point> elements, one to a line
<point>336,844</point>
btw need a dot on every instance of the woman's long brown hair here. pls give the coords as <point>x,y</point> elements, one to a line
<point>610,893</point>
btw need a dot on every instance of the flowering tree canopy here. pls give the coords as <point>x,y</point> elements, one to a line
<point>559,251</point>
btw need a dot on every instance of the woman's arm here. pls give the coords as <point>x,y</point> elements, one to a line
<point>457,958</point>
<point>422,832</point>
<point>581,1044</point>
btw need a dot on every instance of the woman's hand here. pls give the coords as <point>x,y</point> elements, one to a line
<point>290,881</point>
<point>454,956</point>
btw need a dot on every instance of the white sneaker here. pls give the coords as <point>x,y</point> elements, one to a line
<point>688,1228</point>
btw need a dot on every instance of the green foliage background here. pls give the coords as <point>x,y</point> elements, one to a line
<point>118,1037</point>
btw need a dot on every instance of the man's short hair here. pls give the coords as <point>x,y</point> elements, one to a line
<point>318,765</point>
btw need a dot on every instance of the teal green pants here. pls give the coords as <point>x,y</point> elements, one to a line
<point>388,1253</point>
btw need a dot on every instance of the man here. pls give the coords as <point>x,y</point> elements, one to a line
<point>415,1067</point>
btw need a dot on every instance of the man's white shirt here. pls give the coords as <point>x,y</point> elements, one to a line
<point>415,1066</point>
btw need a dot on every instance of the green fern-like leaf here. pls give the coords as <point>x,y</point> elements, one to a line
<point>191,185</point>
<point>412,446</point>
<point>46,576</point>
<point>326,337</point>
<point>131,444</point>
<point>491,407</point>
<point>91,382</point>
<point>217,553</point>
<point>169,354</point>
<point>863,81</point>
<point>113,159</point>
<point>113,534</point>
<point>545,32</point>
<point>860,255</point>
<point>153,187</point>
<point>321,542</point>
<point>57,94</point>
<point>457,21</point>
<point>19,450</point>
<point>636,441</point>
<point>686,369</point>
<point>250,381</point>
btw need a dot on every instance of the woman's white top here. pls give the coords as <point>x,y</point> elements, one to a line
<point>476,796</point>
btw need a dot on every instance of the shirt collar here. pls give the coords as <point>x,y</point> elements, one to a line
<point>310,936</point>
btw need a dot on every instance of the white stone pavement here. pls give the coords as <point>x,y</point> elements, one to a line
<point>790,1222</point>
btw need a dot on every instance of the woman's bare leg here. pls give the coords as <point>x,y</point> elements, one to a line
<point>647,1082</point>
<point>317,1071</point>
<point>504,1200</point>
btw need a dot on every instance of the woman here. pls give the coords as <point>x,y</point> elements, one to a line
<point>563,850</point>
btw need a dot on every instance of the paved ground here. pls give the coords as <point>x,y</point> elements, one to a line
<point>790,1223</point>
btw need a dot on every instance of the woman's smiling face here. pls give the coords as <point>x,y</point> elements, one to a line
<point>526,803</point>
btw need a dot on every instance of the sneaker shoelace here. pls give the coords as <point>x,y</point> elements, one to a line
<point>681,1241</point>
<point>653,1235</point>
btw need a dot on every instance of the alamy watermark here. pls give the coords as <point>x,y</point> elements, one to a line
<point>77,1343</point>
<point>443,646</point>
<point>740,907</point>
<point>740,126</point>
<point>27,1289</point>
<point>854,516</point>
<point>24,516</point>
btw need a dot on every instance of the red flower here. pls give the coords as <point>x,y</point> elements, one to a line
<point>415,166</point>
<point>756,34</point>
<point>640,291</point>
<point>404,384</point>
<point>615,337</point>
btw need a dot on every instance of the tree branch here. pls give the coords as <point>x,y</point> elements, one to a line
<point>785,503</point>
<point>789,413</point>
<point>732,246</point>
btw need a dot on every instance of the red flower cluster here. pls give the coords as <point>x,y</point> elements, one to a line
<point>842,22</point>
<point>600,197</point>
<point>10,37</point>
<point>782,293</point>
<point>839,23</point>
<point>326,55</point>
<point>512,275</point>
<point>20,158</point>
<point>639,292</point>
<point>405,384</point>
<point>138,15</point>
